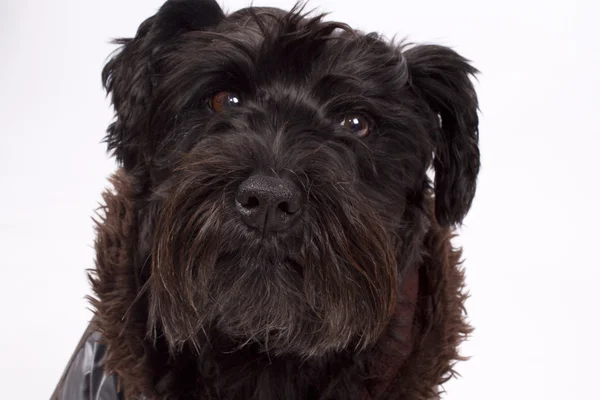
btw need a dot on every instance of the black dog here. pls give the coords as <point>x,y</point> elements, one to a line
<point>273,233</point>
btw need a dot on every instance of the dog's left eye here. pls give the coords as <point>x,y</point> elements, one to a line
<point>224,100</point>
<point>356,124</point>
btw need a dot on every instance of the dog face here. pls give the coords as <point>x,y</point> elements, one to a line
<point>282,170</point>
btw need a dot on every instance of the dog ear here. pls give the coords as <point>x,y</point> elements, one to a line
<point>129,77</point>
<point>441,78</point>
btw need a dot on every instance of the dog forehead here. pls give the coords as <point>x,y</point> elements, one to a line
<point>257,18</point>
<point>253,23</point>
<point>296,42</point>
<point>275,53</point>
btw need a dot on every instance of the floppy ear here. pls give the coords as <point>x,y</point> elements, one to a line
<point>130,76</point>
<point>441,78</point>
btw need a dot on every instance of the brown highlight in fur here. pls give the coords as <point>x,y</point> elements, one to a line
<point>119,304</point>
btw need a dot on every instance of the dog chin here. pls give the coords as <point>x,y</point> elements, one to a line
<point>279,340</point>
<point>263,304</point>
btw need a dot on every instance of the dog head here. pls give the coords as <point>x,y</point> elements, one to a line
<point>282,169</point>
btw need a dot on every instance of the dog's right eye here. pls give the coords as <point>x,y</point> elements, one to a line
<point>356,124</point>
<point>222,101</point>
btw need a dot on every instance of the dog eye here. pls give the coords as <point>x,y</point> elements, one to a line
<point>222,101</point>
<point>356,124</point>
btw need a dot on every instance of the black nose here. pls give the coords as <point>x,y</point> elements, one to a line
<point>267,203</point>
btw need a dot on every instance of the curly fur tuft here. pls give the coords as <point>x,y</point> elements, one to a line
<point>119,303</point>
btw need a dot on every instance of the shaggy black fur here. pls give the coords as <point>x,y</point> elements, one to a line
<point>233,313</point>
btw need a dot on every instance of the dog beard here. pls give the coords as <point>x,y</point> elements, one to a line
<point>324,285</point>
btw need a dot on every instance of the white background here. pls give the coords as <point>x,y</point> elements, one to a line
<point>531,240</point>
